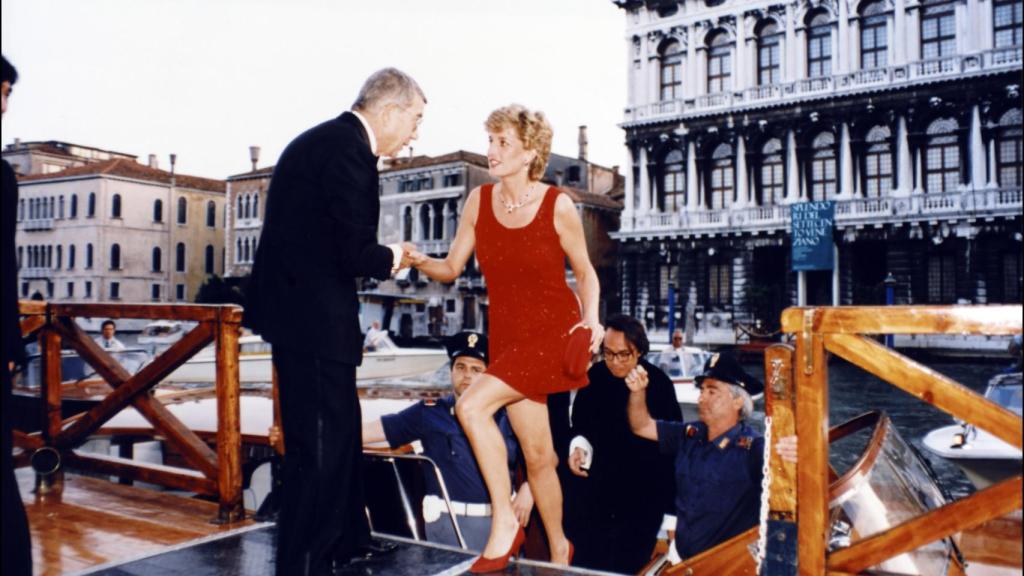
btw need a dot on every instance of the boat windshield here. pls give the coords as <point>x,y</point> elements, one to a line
<point>681,363</point>
<point>1005,390</point>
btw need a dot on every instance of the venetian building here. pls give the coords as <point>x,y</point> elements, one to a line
<point>118,230</point>
<point>245,205</point>
<point>905,113</point>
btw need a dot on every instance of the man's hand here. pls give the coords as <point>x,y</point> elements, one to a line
<point>637,380</point>
<point>576,460</point>
<point>786,448</point>
<point>522,504</point>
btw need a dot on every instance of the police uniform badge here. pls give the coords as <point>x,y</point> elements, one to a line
<point>713,360</point>
<point>691,431</point>
<point>745,442</point>
<point>723,443</point>
<point>472,340</point>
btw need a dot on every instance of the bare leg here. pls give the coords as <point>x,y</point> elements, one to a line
<point>529,419</point>
<point>475,409</point>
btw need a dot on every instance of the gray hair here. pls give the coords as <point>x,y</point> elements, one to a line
<point>748,402</point>
<point>388,85</point>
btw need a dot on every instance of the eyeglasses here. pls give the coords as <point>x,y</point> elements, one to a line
<point>624,356</point>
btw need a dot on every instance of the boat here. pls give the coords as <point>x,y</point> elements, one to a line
<point>388,361</point>
<point>984,459</point>
<point>160,334</point>
<point>681,365</point>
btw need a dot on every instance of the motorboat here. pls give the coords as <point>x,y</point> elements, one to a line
<point>158,335</point>
<point>387,361</point>
<point>984,459</point>
<point>682,365</point>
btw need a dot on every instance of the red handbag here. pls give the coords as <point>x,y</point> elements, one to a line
<point>577,356</point>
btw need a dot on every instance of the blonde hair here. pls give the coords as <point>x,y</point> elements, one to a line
<point>531,127</point>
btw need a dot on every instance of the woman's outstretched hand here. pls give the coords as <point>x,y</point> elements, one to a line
<point>596,334</point>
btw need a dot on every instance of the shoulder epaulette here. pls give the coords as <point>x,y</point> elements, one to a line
<point>691,430</point>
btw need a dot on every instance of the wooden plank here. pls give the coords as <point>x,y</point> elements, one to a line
<point>966,513</point>
<point>146,379</point>
<point>277,431</point>
<point>193,312</point>
<point>229,423</point>
<point>30,324</point>
<point>990,320</point>
<point>49,343</point>
<point>731,557</point>
<point>135,470</point>
<point>194,450</point>
<point>996,542</point>
<point>928,385</point>
<point>812,452</point>
<point>779,403</point>
<point>32,307</point>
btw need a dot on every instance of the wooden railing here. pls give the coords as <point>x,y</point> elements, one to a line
<point>846,332</point>
<point>216,473</point>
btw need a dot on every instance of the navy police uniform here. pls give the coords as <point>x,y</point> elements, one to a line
<point>718,480</point>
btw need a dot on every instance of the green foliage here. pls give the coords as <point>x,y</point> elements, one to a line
<point>217,290</point>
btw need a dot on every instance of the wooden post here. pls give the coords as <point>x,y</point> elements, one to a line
<point>50,389</point>
<point>781,545</point>
<point>229,433</point>
<point>812,428</point>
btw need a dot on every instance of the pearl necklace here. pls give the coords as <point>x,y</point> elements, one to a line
<point>511,207</point>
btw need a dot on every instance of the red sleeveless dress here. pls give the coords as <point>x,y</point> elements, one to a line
<point>531,306</point>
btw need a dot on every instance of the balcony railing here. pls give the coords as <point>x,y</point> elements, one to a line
<point>36,272</point>
<point>37,224</point>
<point>893,76</point>
<point>991,202</point>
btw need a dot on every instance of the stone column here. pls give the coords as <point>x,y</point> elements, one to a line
<point>918,161</point>
<point>897,42</point>
<point>993,179</point>
<point>853,45</point>
<point>645,183</point>
<point>792,69</point>
<point>741,173</point>
<point>977,150</point>
<point>628,196</point>
<point>912,40</point>
<point>739,69</point>
<point>841,42</point>
<point>904,161</point>
<point>846,164</point>
<point>692,182</point>
<point>691,87</point>
<point>792,169</point>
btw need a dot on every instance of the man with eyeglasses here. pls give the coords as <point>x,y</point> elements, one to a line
<point>434,424</point>
<point>625,485</point>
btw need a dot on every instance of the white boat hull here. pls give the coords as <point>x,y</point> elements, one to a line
<point>984,459</point>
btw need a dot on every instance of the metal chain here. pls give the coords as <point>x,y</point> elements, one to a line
<point>766,482</point>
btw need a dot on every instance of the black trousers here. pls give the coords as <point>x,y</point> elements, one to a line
<point>616,543</point>
<point>322,517</point>
<point>17,547</point>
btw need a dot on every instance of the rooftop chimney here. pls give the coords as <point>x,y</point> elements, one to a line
<point>174,159</point>
<point>152,161</point>
<point>583,143</point>
<point>17,143</point>
<point>254,156</point>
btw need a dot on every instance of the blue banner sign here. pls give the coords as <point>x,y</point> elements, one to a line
<point>811,225</point>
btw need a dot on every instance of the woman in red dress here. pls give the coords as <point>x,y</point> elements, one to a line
<point>522,232</point>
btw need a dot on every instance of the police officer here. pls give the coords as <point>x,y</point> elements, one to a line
<point>718,460</point>
<point>434,424</point>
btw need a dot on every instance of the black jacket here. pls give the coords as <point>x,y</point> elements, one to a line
<point>12,344</point>
<point>319,236</point>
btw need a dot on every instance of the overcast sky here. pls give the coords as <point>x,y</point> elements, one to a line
<point>205,79</point>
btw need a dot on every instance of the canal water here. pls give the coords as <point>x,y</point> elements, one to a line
<point>853,391</point>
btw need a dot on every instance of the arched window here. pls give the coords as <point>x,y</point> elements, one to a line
<point>211,214</point>
<point>819,45</point>
<point>158,210</point>
<point>1007,22</point>
<point>245,251</point>
<point>115,256</point>
<point>60,213</point>
<point>772,184</point>
<point>52,208</point>
<point>245,207</point>
<point>425,222</point>
<point>823,167</point>
<point>452,224</point>
<point>238,250</point>
<point>91,210</point>
<point>182,210</point>
<point>938,29</point>
<point>1008,149</point>
<point>240,213</point>
<point>719,62</point>
<point>671,56</point>
<point>208,260</point>
<point>878,162</point>
<point>49,256</point>
<point>60,257</point>
<point>407,224</point>
<point>942,157</point>
<point>88,255</point>
<point>256,205</point>
<point>115,206</point>
<point>721,189</point>
<point>74,205</point>
<point>769,56</point>
<point>874,41</point>
<point>21,209</point>
<point>673,192</point>
<point>158,259</point>
<point>31,208</point>
<point>179,257</point>
<point>71,256</point>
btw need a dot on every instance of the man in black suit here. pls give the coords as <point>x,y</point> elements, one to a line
<point>319,236</point>
<point>17,550</point>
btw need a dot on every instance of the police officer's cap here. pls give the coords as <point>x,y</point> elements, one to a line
<point>725,368</point>
<point>473,344</point>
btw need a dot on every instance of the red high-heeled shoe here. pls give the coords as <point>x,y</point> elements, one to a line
<point>571,550</point>
<point>484,565</point>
